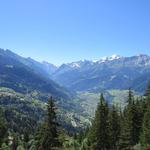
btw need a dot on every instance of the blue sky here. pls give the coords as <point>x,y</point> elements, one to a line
<point>62,31</point>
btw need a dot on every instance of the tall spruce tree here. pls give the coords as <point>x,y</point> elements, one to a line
<point>114,127</point>
<point>99,133</point>
<point>130,99</point>
<point>127,126</point>
<point>49,132</point>
<point>145,136</point>
<point>138,115</point>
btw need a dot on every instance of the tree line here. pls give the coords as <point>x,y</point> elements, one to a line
<point>113,128</point>
<point>117,129</point>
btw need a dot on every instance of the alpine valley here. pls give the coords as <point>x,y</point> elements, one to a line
<point>26,85</point>
<point>76,85</point>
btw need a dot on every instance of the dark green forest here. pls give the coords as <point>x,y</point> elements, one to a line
<point>112,128</point>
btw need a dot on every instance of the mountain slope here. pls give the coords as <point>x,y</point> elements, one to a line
<point>107,73</point>
<point>17,73</point>
<point>45,69</point>
<point>24,82</point>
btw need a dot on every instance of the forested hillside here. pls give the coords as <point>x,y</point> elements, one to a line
<point>24,81</point>
<point>24,75</point>
<point>112,128</point>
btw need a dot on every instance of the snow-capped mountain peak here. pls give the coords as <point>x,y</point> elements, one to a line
<point>110,58</point>
<point>75,65</point>
<point>114,57</point>
<point>80,63</point>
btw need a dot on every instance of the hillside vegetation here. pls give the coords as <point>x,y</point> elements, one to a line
<point>112,127</point>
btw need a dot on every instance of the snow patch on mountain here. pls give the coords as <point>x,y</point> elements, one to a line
<point>111,58</point>
<point>75,65</point>
<point>84,62</point>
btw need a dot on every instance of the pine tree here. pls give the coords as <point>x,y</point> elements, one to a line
<point>126,137</point>
<point>130,98</point>
<point>114,126</point>
<point>99,134</point>
<point>128,131</point>
<point>131,123</point>
<point>138,115</point>
<point>49,132</point>
<point>145,136</point>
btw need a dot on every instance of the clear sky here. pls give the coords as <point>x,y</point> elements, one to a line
<point>67,30</point>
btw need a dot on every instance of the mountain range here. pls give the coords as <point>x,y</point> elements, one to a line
<point>25,83</point>
<point>113,72</point>
<point>75,86</point>
<point>25,74</point>
<point>108,73</point>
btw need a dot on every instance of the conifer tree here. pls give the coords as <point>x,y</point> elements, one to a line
<point>99,134</point>
<point>48,138</point>
<point>114,127</point>
<point>126,137</point>
<point>127,125</point>
<point>130,98</point>
<point>131,123</point>
<point>138,115</point>
<point>145,136</point>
